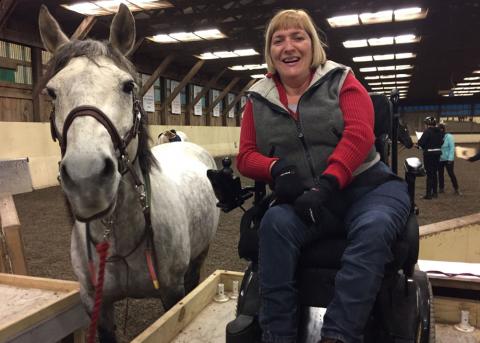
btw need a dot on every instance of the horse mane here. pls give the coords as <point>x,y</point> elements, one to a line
<point>92,48</point>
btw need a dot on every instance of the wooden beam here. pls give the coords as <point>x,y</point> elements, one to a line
<point>11,231</point>
<point>238,97</point>
<point>6,8</point>
<point>84,28</point>
<point>205,89</point>
<point>160,69</point>
<point>182,84</point>
<point>36,80</point>
<point>137,45</point>
<point>222,94</point>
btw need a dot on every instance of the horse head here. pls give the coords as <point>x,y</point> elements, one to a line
<point>404,136</point>
<point>96,117</point>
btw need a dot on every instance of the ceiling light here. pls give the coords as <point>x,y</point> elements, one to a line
<point>244,52</point>
<point>359,43</point>
<point>377,88</point>
<point>377,17</point>
<point>344,20</point>
<point>403,82</point>
<point>372,77</point>
<point>405,55</point>
<point>184,36</point>
<point>476,71</point>
<point>402,76</point>
<point>390,76</point>
<point>368,69</point>
<point>106,7</point>
<point>463,84</point>
<point>257,76</point>
<point>163,39</point>
<point>255,66</point>
<point>210,34</point>
<point>411,13</point>
<point>403,39</point>
<point>207,56</point>
<point>383,57</point>
<point>380,41</point>
<point>388,83</point>
<point>472,78</point>
<point>402,87</point>
<point>237,68</point>
<point>374,83</point>
<point>404,67</point>
<point>225,54</point>
<point>386,68</point>
<point>362,59</point>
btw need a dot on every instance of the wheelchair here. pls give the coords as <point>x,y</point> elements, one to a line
<point>403,309</point>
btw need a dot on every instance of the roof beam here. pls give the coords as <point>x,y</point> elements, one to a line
<point>137,45</point>
<point>222,94</point>
<point>160,69</point>
<point>84,28</point>
<point>6,8</point>
<point>182,84</point>
<point>205,89</point>
<point>238,97</point>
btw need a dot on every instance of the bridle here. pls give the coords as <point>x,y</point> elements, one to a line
<point>120,144</point>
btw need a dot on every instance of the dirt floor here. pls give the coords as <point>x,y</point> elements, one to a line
<point>46,227</point>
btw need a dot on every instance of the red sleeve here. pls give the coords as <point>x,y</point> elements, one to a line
<point>358,136</point>
<point>250,162</point>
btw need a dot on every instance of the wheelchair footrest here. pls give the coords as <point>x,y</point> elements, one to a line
<point>244,329</point>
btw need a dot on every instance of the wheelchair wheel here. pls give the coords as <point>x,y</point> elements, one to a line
<point>431,336</point>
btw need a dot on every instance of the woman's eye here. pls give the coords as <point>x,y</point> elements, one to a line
<point>128,87</point>
<point>51,93</point>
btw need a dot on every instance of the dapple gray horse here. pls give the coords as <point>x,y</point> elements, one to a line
<point>115,184</point>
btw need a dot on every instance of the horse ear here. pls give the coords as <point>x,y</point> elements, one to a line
<point>122,30</point>
<point>50,32</point>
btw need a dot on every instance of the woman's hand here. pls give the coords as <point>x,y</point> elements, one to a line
<point>287,183</point>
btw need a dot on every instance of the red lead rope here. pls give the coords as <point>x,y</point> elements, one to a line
<point>102,250</point>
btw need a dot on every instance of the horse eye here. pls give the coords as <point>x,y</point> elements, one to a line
<point>128,86</point>
<point>51,93</point>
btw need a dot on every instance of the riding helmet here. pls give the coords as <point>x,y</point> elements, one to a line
<point>430,121</point>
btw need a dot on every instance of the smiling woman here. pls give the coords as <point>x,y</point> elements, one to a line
<point>307,129</point>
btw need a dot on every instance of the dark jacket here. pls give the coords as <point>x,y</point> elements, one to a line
<point>431,141</point>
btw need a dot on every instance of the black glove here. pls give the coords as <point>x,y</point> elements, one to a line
<point>310,206</point>
<point>287,183</point>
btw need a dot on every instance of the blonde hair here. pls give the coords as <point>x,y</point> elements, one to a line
<point>287,19</point>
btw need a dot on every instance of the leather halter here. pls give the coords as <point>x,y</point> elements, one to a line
<point>119,143</point>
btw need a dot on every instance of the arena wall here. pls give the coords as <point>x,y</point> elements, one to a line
<point>33,140</point>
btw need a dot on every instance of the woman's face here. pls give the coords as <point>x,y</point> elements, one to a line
<point>291,52</point>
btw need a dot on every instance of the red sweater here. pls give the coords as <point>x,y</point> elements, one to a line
<point>351,151</point>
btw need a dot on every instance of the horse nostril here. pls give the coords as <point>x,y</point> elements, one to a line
<point>108,169</point>
<point>65,177</point>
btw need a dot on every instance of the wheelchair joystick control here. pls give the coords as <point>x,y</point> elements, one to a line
<point>220,297</point>
<point>227,165</point>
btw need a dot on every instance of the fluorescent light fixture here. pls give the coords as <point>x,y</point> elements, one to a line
<point>374,83</point>
<point>380,41</point>
<point>377,17</point>
<point>388,83</point>
<point>404,67</point>
<point>184,36</point>
<point>405,55</point>
<point>411,13</point>
<point>249,67</point>
<point>343,20</point>
<point>244,52</point>
<point>106,7</point>
<point>475,83</point>
<point>368,69</point>
<point>362,59</point>
<point>383,57</point>
<point>386,68</point>
<point>359,43</point>
<point>463,84</point>
<point>239,67</point>
<point>405,82</point>
<point>389,76</point>
<point>162,38</point>
<point>476,71</point>
<point>403,39</point>
<point>210,34</point>
<point>372,77</point>
<point>472,78</point>
<point>227,54</point>
<point>257,76</point>
<point>402,87</point>
<point>207,56</point>
<point>377,88</point>
<point>402,76</point>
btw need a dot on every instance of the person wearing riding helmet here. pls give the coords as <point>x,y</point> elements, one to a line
<point>431,143</point>
<point>447,160</point>
<point>307,129</point>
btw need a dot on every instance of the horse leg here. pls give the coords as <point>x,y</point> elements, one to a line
<point>192,276</point>
<point>106,324</point>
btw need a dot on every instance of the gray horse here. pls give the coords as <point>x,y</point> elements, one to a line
<point>156,208</point>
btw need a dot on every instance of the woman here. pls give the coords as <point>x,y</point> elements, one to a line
<point>308,129</point>
<point>447,160</point>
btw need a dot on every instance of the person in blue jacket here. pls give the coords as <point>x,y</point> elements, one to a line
<point>447,161</point>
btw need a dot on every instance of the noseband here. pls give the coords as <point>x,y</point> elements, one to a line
<point>119,143</point>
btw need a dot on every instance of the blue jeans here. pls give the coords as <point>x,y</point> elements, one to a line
<point>374,217</point>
